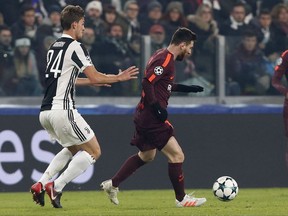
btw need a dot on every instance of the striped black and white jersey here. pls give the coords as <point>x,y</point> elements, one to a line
<point>66,58</point>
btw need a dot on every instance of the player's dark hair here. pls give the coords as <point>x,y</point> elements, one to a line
<point>181,35</point>
<point>71,14</point>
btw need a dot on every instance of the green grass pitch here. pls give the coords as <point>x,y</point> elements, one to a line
<point>249,202</point>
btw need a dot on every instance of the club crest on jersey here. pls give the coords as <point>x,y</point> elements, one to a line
<point>89,59</point>
<point>87,130</point>
<point>158,70</point>
<point>279,61</point>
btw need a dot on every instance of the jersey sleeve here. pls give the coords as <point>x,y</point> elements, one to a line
<point>157,69</point>
<point>81,57</point>
<point>279,71</point>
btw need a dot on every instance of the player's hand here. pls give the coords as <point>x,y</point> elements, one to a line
<point>160,112</point>
<point>196,88</point>
<point>187,88</point>
<point>129,73</point>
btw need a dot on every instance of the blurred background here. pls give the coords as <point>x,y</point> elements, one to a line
<point>238,45</point>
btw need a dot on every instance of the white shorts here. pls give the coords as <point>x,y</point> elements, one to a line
<point>68,127</point>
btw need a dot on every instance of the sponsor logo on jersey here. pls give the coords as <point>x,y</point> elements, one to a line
<point>87,130</point>
<point>279,61</point>
<point>89,59</point>
<point>158,70</point>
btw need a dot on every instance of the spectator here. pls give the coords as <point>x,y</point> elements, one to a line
<point>173,18</point>
<point>26,75</point>
<point>110,16</point>
<point>94,11</point>
<point>26,25</point>
<point>262,25</point>
<point>247,66</point>
<point>235,25</point>
<point>223,8</point>
<point>206,29</point>
<point>271,40</point>
<point>115,54</point>
<point>218,8</point>
<point>153,16</point>
<point>129,20</point>
<point>280,22</point>
<point>6,61</point>
<point>52,24</point>
<point>234,28</point>
<point>157,34</point>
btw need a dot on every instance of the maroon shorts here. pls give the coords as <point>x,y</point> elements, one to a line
<point>152,138</point>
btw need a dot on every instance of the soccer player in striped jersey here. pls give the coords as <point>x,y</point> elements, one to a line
<point>66,58</point>
<point>152,129</point>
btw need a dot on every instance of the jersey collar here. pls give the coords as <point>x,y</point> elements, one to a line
<point>66,36</point>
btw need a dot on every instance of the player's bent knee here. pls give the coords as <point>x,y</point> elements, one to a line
<point>96,154</point>
<point>177,158</point>
<point>147,158</point>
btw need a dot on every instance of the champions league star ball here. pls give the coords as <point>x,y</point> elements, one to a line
<point>225,188</point>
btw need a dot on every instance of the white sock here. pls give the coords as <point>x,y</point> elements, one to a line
<point>76,167</point>
<point>57,164</point>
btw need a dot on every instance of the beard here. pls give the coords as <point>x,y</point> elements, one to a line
<point>180,57</point>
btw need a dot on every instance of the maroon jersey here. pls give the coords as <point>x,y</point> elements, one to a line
<point>156,86</point>
<point>281,69</point>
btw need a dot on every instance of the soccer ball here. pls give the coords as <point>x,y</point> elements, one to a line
<point>225,188</point>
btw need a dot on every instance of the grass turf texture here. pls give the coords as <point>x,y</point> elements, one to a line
<point>252,202</point>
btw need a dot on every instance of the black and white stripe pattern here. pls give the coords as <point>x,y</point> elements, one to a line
<point>76,129</point>
<point>65,59</point>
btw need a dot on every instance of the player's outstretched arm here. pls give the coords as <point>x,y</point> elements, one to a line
<point>95,77</point>
<point>187,88</point>
<point>86,81</point>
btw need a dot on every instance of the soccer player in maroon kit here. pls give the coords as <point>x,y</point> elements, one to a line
<point>152,129</point>
<point>281,69</point>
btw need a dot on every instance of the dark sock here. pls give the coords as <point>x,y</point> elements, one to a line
<point>177,179</point>
<point>127,169</point>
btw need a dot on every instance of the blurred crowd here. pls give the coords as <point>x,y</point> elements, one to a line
<point>256,33</point>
